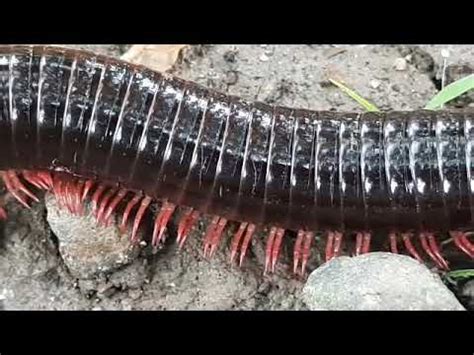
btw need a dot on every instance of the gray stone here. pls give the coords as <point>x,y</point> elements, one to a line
<point>400,64</point>
<point>467,293</point>
<point>87,248</point>
<point>377,281</point>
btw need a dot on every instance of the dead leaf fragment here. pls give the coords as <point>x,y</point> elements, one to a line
<point>157,57</point>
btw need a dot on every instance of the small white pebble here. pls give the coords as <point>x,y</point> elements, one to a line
<point>264,58</point>
<point>445,53</point>
<point>400,64</point>
<point>375,83</point>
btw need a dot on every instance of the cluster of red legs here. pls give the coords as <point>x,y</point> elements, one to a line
<point>72,193</point>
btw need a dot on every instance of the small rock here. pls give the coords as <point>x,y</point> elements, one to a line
<point>133,276</point>
<point>375,83</point>
<point>400,64</point>
<point>445,53</point>
<point>269,51</point>
<point>87,287</point>
<point>230,55</point>
<point>377,281</point>
<point>87,248</point>
<point>106,290</point>
<point>264,58</point>
<point>231,77</point>
<point>135,294</point>
<point>467,293</point>
<point>396,88</point>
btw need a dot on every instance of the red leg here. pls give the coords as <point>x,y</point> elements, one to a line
<point>209,236</point>
<point>467,243</point>
<point>337,243</point>
<point>113,205</point>
<point>34,179</point>
<point>330,246</point>
<point>46,178</point>
<point>17,189</point>
<point>126,214</point>
<point>409,246</point>
<point>366,243</point>
<point>141,211</point>
<point>393,243</point>
<point>297,252</point>
<point>78,208</point>
<point>306,251</point>
<point>269,248</point>
<point>236,240</point>
<point>245,243</point>
<point>427,249</point>
<point>187,228</point>
<point>42,180</point>
<point>217,236</point>
<point>68,191</point>
<point>96,198</point>
<point>68,195</point>
<point>182,224</point>
<point>161,222</point>
<point>12,190</point>
<point>435,249</point>
<point>20,187</point>
<point>359,238</point>
<point>87,188</point>
<point>103,205</point>
<point>58,191</point>
<point>3,213</point>
<point>276,247</point>
<point>459,242</point>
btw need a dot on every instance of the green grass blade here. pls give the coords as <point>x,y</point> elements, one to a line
<point>461,274</point>
<point>451,92</point>
<point>355,96</point>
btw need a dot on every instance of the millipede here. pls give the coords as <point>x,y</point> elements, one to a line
<point>129,140</point>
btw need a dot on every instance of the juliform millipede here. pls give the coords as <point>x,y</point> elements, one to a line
<point>89,127</point>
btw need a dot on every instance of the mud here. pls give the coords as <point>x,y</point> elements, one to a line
<point>35,275</point>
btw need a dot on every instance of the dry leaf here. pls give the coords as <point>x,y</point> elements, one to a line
<point>157,57</point>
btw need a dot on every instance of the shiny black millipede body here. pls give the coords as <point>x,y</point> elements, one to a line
<point>97,117</point>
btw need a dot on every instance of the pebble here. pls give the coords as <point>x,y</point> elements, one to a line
<point>231,77</point>
<point>396,88</point>
<point>400,64</point>
<point>445,53</point>
<point>87,248</point>
<point>264,58</point>
<point>377,281</point>
<point>467,292</point>
<point>375,83</point>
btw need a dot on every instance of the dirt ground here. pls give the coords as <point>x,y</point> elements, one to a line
<point>33,272</point>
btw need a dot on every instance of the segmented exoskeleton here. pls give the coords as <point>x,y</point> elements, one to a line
<point>88,126</point>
